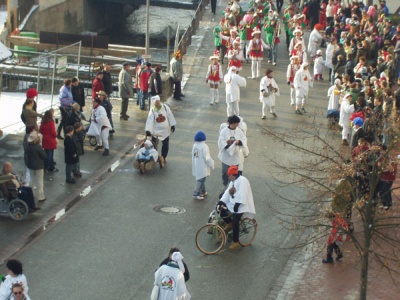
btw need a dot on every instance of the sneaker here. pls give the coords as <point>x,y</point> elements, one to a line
<point>106,152</point>
<point>98,148</point>
<point>204,194</point>
<point>274,114</point>
<point>263,117</point>
<point>328,260</point>
<point>211,103</point>
<point>303,110</point>
<point>60,137</point>
<point>234,246</point>
<point>274,64</point>
<point>53,171</point>
<point>292,103</point>
<point>199,197</point>
<point>269,61</point>
<point>71,181</point>
<point>79,174</point>
<point>298,112</point>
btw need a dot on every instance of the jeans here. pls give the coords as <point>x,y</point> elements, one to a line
<point>50,159</point>
<point>142,101</point>
<point>272,53</point>
<point>70,169</point>
<point>200,187</point>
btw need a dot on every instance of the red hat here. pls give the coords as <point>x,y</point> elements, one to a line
<point>319,27</point>
<point>233,170</point>
<point>31,93</point>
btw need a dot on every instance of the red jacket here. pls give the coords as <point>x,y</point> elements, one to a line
<point>144,79</point>
<point>49,139</point>
<point>338,231</point>
<point>97,86</point>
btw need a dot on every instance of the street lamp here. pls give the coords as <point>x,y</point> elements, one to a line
<point>147,27</point>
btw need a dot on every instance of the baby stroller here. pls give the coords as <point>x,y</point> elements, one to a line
<point>92,139</point>
<point>333,118</point>
<point>149,165</point>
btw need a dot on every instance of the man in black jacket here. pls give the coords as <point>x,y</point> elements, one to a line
<point>78,92</point>
<point>155,82</point>
<point>107,80</point>
<point>71,155</point>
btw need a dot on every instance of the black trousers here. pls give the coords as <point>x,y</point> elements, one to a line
<point>330,248</point>
<point>26,195</point>
<point>178,89</point>
<point>164,148</point>
<point>213,6</point>
<point>235,218</point>
<point>64,121</point>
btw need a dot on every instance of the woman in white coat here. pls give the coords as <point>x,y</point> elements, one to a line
<point>233,83</point>
<point>302,83</point>
<point>100,126</point>
<point>160,122</point>
<point>330,51</point>
<point>268,92</point>
<point>345,113</point>
<point>334,95</point>
<point>202,163</point>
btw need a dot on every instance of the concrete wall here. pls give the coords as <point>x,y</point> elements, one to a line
<point>65,16</point>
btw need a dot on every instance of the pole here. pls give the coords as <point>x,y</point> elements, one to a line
<point>147,26</point>
<point>168,38</point>
<point>38,82</point>
<point>79,59</point>
<point>52,81</point>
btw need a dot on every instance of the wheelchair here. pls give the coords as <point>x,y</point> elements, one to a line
<point>16,208</point>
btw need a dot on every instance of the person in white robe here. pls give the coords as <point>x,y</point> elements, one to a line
<point>233,83</point>
<point>314,40</point>
<point>344,120</point>
<point>334,95</point>
<point>100,126</point>
<point>268,92</point>
<point>238,199</point>
<point>302,83</point>
<point>293,67</point>
<point>202,163</point>
<point>319,64</point>
<point>160,122</point>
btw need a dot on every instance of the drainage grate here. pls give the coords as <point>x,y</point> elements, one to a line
<point>170,210</point>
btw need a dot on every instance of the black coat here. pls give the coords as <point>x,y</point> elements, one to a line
<point>78,94</point>
<point>35,156</point>
<point>107,82</point>
<point>360,133</point>
<point>108,107</point>
<point>155,84</point>
<point>79,137</point>
<point>70,151</point>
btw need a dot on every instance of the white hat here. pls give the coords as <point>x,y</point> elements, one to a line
<point>154,99</point>
<point>215,56</point>
<point>338,81</point>
<point>319,52</point>
<point>233,68</point>
<point>294,57</point>
<point>148,143</point>
<point>297,30</point>
<point>236,41</point>
<point>347,95</point>
<point>305,64</point>
<point>256,30</point>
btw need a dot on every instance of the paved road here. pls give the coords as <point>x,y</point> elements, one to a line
<point>109,243</point>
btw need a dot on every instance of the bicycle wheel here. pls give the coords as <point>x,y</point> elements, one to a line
<point>210,239</point>
<point>247,231</point>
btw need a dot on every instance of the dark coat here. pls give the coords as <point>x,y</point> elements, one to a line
<point>78,94</point>
<point>107,82</point>
<point>74,118</point>
<point>35,156</point>
<point>360,133</point>
<point>349,69</point>
<point>70,150</point>
<point>155,84</point>
<point>108,107</point>
<point>79,137</point>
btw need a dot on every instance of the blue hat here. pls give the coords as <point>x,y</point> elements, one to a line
<point>200,136</point>
<point>139,60</point>
<point>358,121</point>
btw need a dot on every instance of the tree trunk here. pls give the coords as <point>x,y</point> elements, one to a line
<point>364,275</point>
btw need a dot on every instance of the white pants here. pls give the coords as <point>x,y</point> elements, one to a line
<point>292,95</point>
<point>233,108</point>
<point>271,108</point>
<point>37,180</point>
<point>102,139</point>
<point>255,68</point>
<point>301,100</point>
<point>345,132</point>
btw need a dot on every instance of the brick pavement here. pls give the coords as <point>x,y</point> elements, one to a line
<point>341,280</point>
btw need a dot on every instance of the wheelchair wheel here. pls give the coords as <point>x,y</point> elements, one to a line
<point>18,209</point>
<point>210,239</point>
<point>247,231</point>
<point>92,141</point>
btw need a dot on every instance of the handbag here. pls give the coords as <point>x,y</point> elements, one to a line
<point>154,292</point>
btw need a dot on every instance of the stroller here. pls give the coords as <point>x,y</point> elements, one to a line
<point>333,118</point>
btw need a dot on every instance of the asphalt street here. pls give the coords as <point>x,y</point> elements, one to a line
<point>109,243</point>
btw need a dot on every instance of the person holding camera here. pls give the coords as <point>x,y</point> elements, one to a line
<point>160,122</point>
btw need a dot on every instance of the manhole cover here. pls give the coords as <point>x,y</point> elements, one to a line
<point>170,210</point>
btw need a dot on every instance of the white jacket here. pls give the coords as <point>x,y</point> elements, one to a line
<point>202,162</point>
<point>233,83</point>
<point>231,155</point>
<point>319,65</point>
<point>334,96</point>
<point>172,283</point>
<point>271,97</point>
<point>330,50</point>
<point>302,82</point>
<point>98,120</point>
<point>243,195</point>
<point>314,40</point>
<point>345,112</point>
<point>163,129</point>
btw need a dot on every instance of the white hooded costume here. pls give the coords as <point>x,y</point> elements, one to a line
<point>233,83</point>
<point>319,65</point>
<point>159,121</point>
<point>334,95</point>
<point>313,42</point>
<point>98,121</point>
<point>345,113</point>
<point>266,84</point>
<point>202,162</point>
<point>302,83</point>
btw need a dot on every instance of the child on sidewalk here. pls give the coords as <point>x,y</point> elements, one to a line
<point>319,64</point>
<point>337,237</point>
<point>201,164</point>
<point>71,155</point>
<point>79,137</point>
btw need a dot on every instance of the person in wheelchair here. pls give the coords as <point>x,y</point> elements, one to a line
<point>234,202</point>
<point>13,188</point>
<point>146,157</point>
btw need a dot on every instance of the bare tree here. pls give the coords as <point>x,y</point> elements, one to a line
<point>320,162</point>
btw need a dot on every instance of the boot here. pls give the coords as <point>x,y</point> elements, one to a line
<point>161,161</point>
<point>234,246</point>
<point>106,152</point>
<point>344,142</point>
<point>212,98</point>
<point>141,167</point>
<point>136,164</point>
<point>328,260</point>
<point>216,95</point>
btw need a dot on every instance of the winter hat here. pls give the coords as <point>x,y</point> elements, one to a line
<point>33,137</point>
<point>319,52</point>
<point>215,56</point>
<point>233,170</point>
<point>177,257</point>
<point>148,143</point>
<point>358,121</point>
<point>256,30</point>
<point>200,136</point>
<point>319,27</point>
<point>31,93</point>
